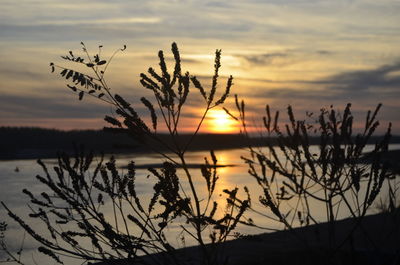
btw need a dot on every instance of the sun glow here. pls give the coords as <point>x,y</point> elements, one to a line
<point>220,122</point>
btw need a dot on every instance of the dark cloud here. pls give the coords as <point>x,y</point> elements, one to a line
<point>324,52</point>
<point>263,59</point>
<point>19,106</point>
<point>218,4</point>
<point>375,80</point>
<point>20,74</point>
<point>171,59</point>
<point>383,81</point>
<point>282,58</point>
<point>364,88</point>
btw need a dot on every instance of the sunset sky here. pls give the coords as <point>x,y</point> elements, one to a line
<point>307,53</point>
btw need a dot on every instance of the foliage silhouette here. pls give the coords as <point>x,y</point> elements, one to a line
<point>94,212</point>
<point>338,174</point>
<point>75,209</point>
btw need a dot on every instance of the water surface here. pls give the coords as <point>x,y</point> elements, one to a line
<point>18,174</point>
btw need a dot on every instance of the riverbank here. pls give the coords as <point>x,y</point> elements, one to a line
<point>33,143</point>
<point>375,241</point>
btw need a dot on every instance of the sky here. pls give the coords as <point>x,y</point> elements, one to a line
<point>310,54</point>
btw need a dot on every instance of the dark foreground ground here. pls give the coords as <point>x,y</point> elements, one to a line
<point>376,241</point>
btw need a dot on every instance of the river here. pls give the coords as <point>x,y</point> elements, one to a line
<point>16,175</point>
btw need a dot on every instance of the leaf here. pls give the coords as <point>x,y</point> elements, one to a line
<point>70,73</point>
<point>100,95</point>
<point>73,88</point>
<point>63,72</point>
<point>52,67</point>
<point>89,64</point>
<point>163,66</point>
<point>152,111</point>
<point>175,51</point>
<point>79,60</point>
<point>149,83</point>
<point>91,91</point>
<point>102,62</point>
<point>112,121</point>
<point>230,114</point>
<point>217,65</point>
<point>81,95</point>
<point>76,77</point>
<point>82,80</point>
<point>100,198</point>
<point>227,90</point>
<point>50,253</point>
<point>197,84</point>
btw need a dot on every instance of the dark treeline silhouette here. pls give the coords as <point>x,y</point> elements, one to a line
<point>33,142</point>
<point>30,143</point>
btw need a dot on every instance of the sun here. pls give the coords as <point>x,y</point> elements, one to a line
<point>220,122</point>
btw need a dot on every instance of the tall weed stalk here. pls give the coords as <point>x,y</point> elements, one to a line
<point>337,174</point>
<point>81,187</point>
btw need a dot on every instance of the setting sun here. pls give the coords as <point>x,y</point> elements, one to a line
<point>220,122</point>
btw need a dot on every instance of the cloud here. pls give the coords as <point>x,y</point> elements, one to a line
<point>263,59</point>
<point>324,52</point>
<point>107,21</point>
<point>380,79</point>
<point>17,106</point>
<point>363,87</point>
<point>283,58</point>
<point>171,59</point>
<point>10,73</point>
<point>218,4</point>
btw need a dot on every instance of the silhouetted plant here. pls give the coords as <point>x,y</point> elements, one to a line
<point>83,190</point>
<point>298,179</point>
<point>390,203</point>
<point>6,254</point>
<point>75,210</point>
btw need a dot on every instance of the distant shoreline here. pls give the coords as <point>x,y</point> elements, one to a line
<point>34,143</point>
<point>18,143</point>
